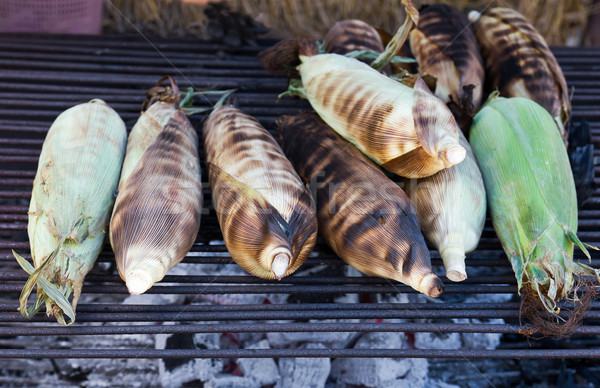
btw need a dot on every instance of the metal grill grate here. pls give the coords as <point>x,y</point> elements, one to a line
<point>40,76</point>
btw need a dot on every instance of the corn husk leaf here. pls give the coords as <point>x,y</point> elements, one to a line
<point>72,197</point>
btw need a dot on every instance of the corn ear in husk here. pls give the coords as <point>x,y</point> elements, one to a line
<point>73,194</point>
<point>364,217</point>
<point>265,213</point>
<point>531,195</point>
<point>519,62</point>
<point>451,208</point>
<point>407,131</point>
<point>446,48</point>
<point>157,212</point>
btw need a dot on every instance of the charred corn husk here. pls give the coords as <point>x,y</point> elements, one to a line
<point>157,212</point>
<point>408,131</point>
<point>363,216</point>
<point>351,35</point>
<point>519,62</point>
<point>451,208</point>
<point>73,194</point>
<point>531,195</point>
<point>143,134</point>
<point>445,47</point>
<point>265,212</point>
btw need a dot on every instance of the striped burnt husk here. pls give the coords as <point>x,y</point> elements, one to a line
<point>519,62</point>
<point>445,47</point>
<point>143,134</point>
<point>363,216</point>
<point>265,213</point>
<point>408,131</point>
<point>351,35</point>
<point>157,212</point>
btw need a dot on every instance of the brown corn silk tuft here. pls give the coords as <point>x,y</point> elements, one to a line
<point>549,325</point>
<point>262,205</point>
<point>445,47</point>
<point>157,213</point>
<point>363,216</point>
<point>519,62</point>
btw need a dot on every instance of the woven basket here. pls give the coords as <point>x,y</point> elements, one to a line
<point>54,16</point>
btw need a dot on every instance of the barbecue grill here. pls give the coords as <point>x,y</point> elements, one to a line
<point>42,75</point>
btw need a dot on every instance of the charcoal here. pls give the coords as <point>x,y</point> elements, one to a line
<point>263,370</point>
<point>304,372</point>
<point>174,372</point>
<point>381,372</point>
<point>230,381</point>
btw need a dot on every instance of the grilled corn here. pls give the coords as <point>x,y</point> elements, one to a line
<point>266,214</point>
<point>157,212</point>
<point>70,206</point>
<point>363,216</point>
<point>445,47</point>
<point>451,208</point>
<point>519,62</point>
<point>408,131</point>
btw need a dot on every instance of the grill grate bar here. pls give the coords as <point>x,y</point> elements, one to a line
<point>185,316</point>
<point>110,308</point>
<point>364,327</point>
<point>278,353</point>
<point>288,289</point>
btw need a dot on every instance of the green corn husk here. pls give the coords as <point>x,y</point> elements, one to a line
<point>73,194</point>
<point>531,195</point>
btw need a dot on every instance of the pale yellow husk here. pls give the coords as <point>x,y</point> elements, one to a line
<point>73,194</point>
